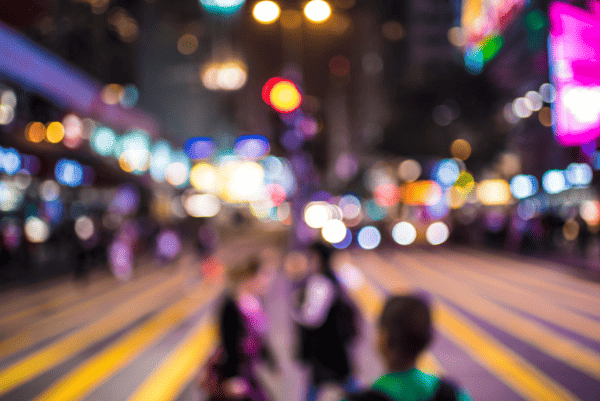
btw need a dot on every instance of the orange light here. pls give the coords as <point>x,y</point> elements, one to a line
<point>285,97</point>
<point>494,192</point>
<point>423,193</point>
<point>36,132</point>
<point>55,132</point>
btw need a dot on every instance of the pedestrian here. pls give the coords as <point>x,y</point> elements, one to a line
<point>327,322</point>
<point>405,331</point>
<point>232,371</point>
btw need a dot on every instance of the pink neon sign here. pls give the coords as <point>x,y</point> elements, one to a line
<point>575,65</point>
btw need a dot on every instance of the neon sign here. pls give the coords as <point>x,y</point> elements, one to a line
<point>574,47</point>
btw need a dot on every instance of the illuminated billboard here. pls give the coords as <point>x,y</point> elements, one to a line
<point>574,48</point>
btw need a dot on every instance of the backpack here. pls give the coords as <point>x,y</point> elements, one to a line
<point>445,392</point>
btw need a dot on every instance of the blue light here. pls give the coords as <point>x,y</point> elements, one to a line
<point>103,141</point>
<point>252,146</point>
<point>474,60</point>
<point>579,174</point>
<point>10,161</point>
<point>345,243</point>
<point>160,160</point>
<point>199,148</point>
<point>369,238</point>
<point>446,172</point>
<point>69,172</point>
<point>523,186</point>
<point>374,211</point>
<point>222,7</point>
<point>554,181</point>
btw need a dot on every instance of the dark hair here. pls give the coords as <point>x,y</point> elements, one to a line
<point>407,321</point>
<point>325,252</point>
<point>369,395</point>
<point>244,270</point>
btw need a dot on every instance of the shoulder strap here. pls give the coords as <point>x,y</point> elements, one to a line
<point>445,392</point>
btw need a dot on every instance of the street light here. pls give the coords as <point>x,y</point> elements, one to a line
<point>317,11</point>
<point>266,12</point>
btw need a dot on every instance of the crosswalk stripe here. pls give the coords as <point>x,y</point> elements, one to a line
<point>75,315</point>
<point>104,365</point>
<point>524,378</point>
<point>50,356</point>
<point>546,340</point>
<point>525,276</point>
<point>371,300</point>
<point>179,369</point>
<point>492,278</point>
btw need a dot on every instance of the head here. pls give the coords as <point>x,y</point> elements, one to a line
<point>244,275</point>
<point>296,265</point>
<point>405,330</point>
<point>320,256</point>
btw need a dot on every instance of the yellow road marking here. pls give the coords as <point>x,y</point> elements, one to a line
<point>48,357</point>
<point>167,382</point>
<point>72,317</point>
<point>516,372</point>
<point>546,340</point>
<point>371,300</point>
<point>104,365</point>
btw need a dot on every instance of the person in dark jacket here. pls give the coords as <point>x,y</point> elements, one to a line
<point>326,319</point>
<point>242,330</point>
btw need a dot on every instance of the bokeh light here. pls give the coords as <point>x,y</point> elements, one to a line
<point>204,177</point>
<point>69,172</point>
<point>73,131</point>
<point>409,170</point>
<point>49,190</point>
<point>494,192</point>
<point>84,228</point>
<point>404,233</point>
<point>241,181</point>
<point>571,230</point>
<point>554,181</point>
<point>387,195</point>
<point>461,149</point>
<point>266,12</point>
<point>437,233</point>
<point>199,148</point>
<point>523,186</point>
<point>579,174</point>
<point>350,205</point>
<point>291,19</point>
<point>369,238</point>
<point>285,97</point>
<point>446,172</point>
<point>130,96</point>
<point>545,116</point>
<point>199,205</point>
<point>112,94</point>
<point>392,31</point>
<point>10,161</point>
<point>160,158</point>
<point>36,230</point>
<point>55,132</point>
<point>222,7</point>
<point>177,174</point>
<point>346,242</point>
<point>334,231</point>
<point>103,141</point>
<point>548,93</point>
<point>520,108</point>
<point>590,212</point>
<point>339,66</point>
<point>36,132</point>
<point>465,183</point>
<point>535,100</point>
<point>252,146</point>
<point>317,11</point>
<point>424,193</point>
<point>187,44</point>
<point>316,215</point>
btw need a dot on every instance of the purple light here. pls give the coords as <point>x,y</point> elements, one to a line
<point>291,140</point>
<point>575,65</point>
<point>199,148</point>
<point>126,200</point>
<point>252,146</point>
<point>121,259</point>
<point>38,70</point>
<point>168,244</point>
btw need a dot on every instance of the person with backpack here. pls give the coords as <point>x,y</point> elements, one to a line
<point>405,331</point>
<point>327,323</point>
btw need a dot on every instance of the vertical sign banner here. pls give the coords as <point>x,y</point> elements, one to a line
<point>574,49</point>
